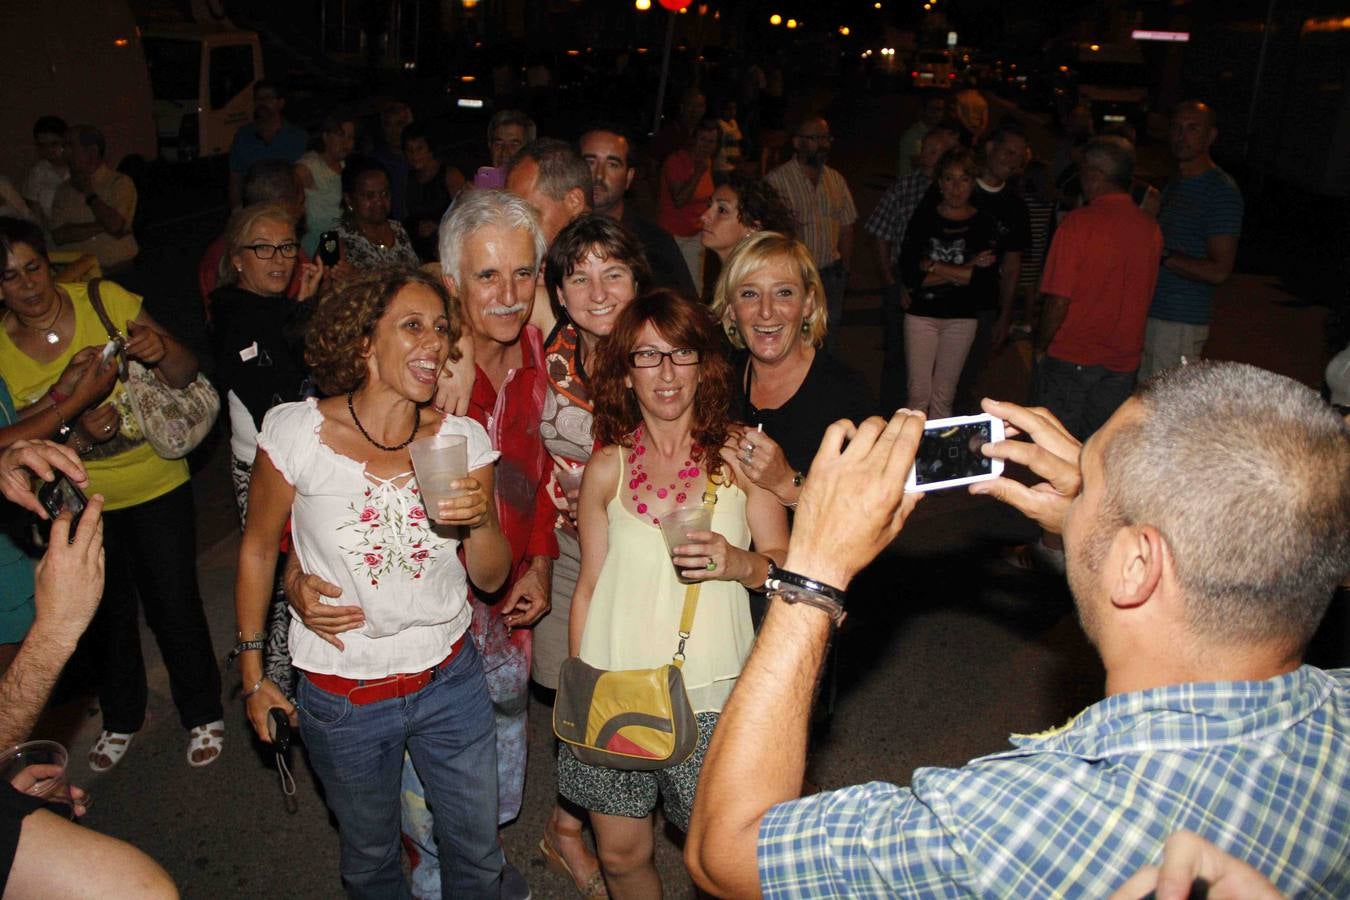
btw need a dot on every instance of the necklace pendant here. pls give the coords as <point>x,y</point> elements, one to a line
<point>51,337</point>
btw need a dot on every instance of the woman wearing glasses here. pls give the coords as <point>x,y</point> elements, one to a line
<point>661,389</point>
<point>150,529</point>
<point>257,339</point>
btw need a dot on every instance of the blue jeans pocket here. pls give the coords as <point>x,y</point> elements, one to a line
<point>323,709</point>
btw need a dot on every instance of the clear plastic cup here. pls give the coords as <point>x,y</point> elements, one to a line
<point>38,768</point>
<point>676,525</point>
<point>437,461</point>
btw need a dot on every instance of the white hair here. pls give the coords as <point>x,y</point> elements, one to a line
<point>479,209</point>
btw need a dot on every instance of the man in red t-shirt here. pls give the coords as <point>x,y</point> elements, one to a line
<point>1097,284</point>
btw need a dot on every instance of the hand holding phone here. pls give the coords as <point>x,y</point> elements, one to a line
<point>60,495</point>
<point>950,455</point>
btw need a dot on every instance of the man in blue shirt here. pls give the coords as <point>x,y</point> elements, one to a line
<point>268,136</point>
<point>1201,220</point>
<point>1205,526</point>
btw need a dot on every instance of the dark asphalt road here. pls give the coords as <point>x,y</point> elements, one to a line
<point>947,650</point>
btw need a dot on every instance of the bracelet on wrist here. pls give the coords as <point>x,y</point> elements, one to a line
<point>784,580</point>
<point>795,596</point>
<point>244,647</point>
<point>257,686</point>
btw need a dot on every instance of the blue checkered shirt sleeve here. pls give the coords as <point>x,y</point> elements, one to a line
<point>871,840</point>
<point>895,208</point>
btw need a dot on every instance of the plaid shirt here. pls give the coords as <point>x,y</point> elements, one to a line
<point>895,208</point>
<point>1261,768</point>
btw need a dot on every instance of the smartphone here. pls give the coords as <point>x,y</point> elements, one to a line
<point>487,177</point>
<point>330,248</point>
<point>949,453</point>
<point>60,495</point>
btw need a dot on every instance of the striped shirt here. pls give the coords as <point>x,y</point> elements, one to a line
<point>1194,210</point>
<point>821,209</point>
<point>1260,768</point>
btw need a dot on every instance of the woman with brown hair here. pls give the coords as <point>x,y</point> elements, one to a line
<point>405,678</point>
<point>662,389</point>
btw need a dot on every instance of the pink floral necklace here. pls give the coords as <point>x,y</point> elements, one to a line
<point>639,482</point>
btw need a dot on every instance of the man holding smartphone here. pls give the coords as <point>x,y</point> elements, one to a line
<point>1206,527</point>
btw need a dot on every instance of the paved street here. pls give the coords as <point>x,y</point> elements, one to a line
<point>947,651</point>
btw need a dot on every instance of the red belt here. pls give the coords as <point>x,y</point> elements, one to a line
<point>362,692</point>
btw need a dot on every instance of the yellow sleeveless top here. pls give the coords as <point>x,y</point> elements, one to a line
<point>129,478</point>
<point>634,616</point>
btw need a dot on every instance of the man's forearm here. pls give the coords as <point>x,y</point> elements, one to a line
<point>28,683</point>
<point>74,233</point>
<point>745,773</point>
<point>1197,268</point>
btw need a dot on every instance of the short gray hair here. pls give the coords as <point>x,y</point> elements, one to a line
<point>1113,156</point>
<point>512,117</point>
<point>1246,474</point>
<point>478,209</point>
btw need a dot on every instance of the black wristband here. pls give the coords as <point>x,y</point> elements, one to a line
<point>244,647</point>
<point>783,579</point>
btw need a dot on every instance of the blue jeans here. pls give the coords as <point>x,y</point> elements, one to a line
<point>357,752</point>
<point>1081,397</point>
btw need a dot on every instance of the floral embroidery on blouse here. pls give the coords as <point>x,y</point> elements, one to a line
<point>392,533</point>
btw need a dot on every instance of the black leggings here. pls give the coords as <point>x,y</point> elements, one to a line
<point>151,552</point>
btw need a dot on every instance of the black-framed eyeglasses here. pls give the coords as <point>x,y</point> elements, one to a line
<point>287,250</point>
<point>650,359</point>
<point>30,268</point>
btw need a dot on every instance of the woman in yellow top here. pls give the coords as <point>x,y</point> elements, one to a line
<point>150,534</point>
<point>662,388</point>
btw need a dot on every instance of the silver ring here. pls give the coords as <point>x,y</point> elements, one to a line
<point>107,428</point>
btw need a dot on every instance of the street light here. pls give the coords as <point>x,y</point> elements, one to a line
<point>791,23</point>
<point>843,29</point>
<point>775,19</point>
<point>643,5</point>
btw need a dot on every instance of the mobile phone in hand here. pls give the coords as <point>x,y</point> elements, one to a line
<point>330,248</point>
<point>60,495</point>
<point>949,453</point>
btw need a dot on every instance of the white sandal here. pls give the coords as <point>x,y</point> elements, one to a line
<point>112,746</point>
<point>210,736</point>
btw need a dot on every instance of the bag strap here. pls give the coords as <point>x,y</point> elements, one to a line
<point>96,301</point>
<point>691,592</point>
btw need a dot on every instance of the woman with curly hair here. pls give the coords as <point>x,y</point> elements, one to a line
<point>740,206</point>
<point>662,389</point>
<point>405,678</point>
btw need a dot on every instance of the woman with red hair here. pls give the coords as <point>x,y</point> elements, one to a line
<point>662,390</point>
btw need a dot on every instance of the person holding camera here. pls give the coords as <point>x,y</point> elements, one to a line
<point>1206,527</point>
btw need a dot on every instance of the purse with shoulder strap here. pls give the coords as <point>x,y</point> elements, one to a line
<point>635,719</point>
<point>173,420</point>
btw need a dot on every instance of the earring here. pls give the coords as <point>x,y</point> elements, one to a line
<point>806,327</point>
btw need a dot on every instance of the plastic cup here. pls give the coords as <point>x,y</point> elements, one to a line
<point>437,461</point>
<point>569,477</point>
<point>38,768</point>
<point>676,525</point>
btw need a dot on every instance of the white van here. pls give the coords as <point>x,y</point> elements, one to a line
<point>202,77</point>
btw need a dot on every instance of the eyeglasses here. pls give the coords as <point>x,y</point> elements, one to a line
<point>33,267</point>
<point>650,359</point>
<point>267,251</point>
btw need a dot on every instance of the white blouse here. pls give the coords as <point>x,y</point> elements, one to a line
<point>371,537</point>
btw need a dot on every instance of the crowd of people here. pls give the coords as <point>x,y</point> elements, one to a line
<point>605,372</point>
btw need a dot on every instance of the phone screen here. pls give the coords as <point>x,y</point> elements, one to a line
<point>952,451</point>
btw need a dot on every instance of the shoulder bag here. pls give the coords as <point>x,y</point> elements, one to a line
<point>173,420</point>
<point>637,719</point>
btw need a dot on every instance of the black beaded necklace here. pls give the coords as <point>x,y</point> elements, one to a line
<point>417,421</point>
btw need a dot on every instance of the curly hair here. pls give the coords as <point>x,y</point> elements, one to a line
<point>758,204</point>
<point>684,323</point>
<point>586,234</point>
<point>338,336</point>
